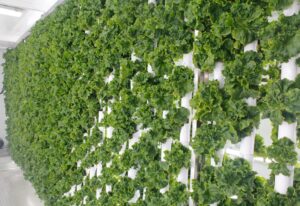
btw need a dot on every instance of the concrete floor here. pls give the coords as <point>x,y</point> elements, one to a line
<point>14,189</point>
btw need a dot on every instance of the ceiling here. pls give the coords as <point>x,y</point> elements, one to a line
<point>18,16</point>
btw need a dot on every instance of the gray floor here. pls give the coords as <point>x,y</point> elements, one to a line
<point>14,189</point>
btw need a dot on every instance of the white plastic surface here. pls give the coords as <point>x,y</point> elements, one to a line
<point>220,154</point>
<point>165,189</point>
<point>293,9</point>
<point>98,193</point>
<point>136,197</point>
<point>251,46</point>
<point>166,146</point>
<point>218,73</point>
<point>185,134</point>
<point>109,78</point>
<point>185,101</point>
<point>151,1</point>
<point>186,61</point>
<point>287,130</point>
<point>109,132</point>
<point>183,176</point>
<point>136,136</point>
<point>150,70</point>
<point>132,172</point>
<point>134,57</point>
<point>282,183</point>
<point>99,169</point>
<point>289,69</point>
<point>251,101</point>
<point>247,147</point>
<point>108,188</point>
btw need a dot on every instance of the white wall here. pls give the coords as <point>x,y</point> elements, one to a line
<point>14,29</point>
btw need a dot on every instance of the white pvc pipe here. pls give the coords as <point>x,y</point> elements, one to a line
<point>186,61</point>
<point>92,171</point>
<point>287,130</point>
<point>247,147</point>
<point>250,101</point>
<point>251,46</point>
<point>101,116</point>
<point>247,143</point>
<point>136,136</point>
<point>165,189</point>
<point>136,197</point>
<point>132,172</point>
<point>194,172</point>
<point>218,73</point>
<point>288,71</point>
<point>123,149</point>
<point>109,78</point>
<point>149,69</point>
<point>194,168</point>
<point>99,169</point>
<point>165,147</point>
<point>220,153</point>
<point>151,1</point>
<point>165,113</point>
<point>185,134</point>
<point>108,188</point>
<point>293,9</point>
<point>134,58</point>
<point>98,193</point>
<point>185,137</point>
<point>282,182</point>
<point>109,132</point>
<point>185,130</point>
<point>183,176</point>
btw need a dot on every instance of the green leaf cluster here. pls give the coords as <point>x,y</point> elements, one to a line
<point>56,82</point>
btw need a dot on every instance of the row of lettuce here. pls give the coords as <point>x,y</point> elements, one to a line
<point>56,83</point>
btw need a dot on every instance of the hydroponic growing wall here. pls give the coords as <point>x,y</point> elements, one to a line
<point>132,102</point>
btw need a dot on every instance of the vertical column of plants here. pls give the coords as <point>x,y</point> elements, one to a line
<point>222,111</point>
<point>279,100</point>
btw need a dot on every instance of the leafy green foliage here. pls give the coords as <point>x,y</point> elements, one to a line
<point>78,61</point>
<point>259,147</point>
<point>178,157</point>
<point>215,105</point>
<point>243,75</point>
<point>220,184</point>
<point>278,45</point>
<point>280,101</point>
<point>283,153</point>
<point>211,138</point>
